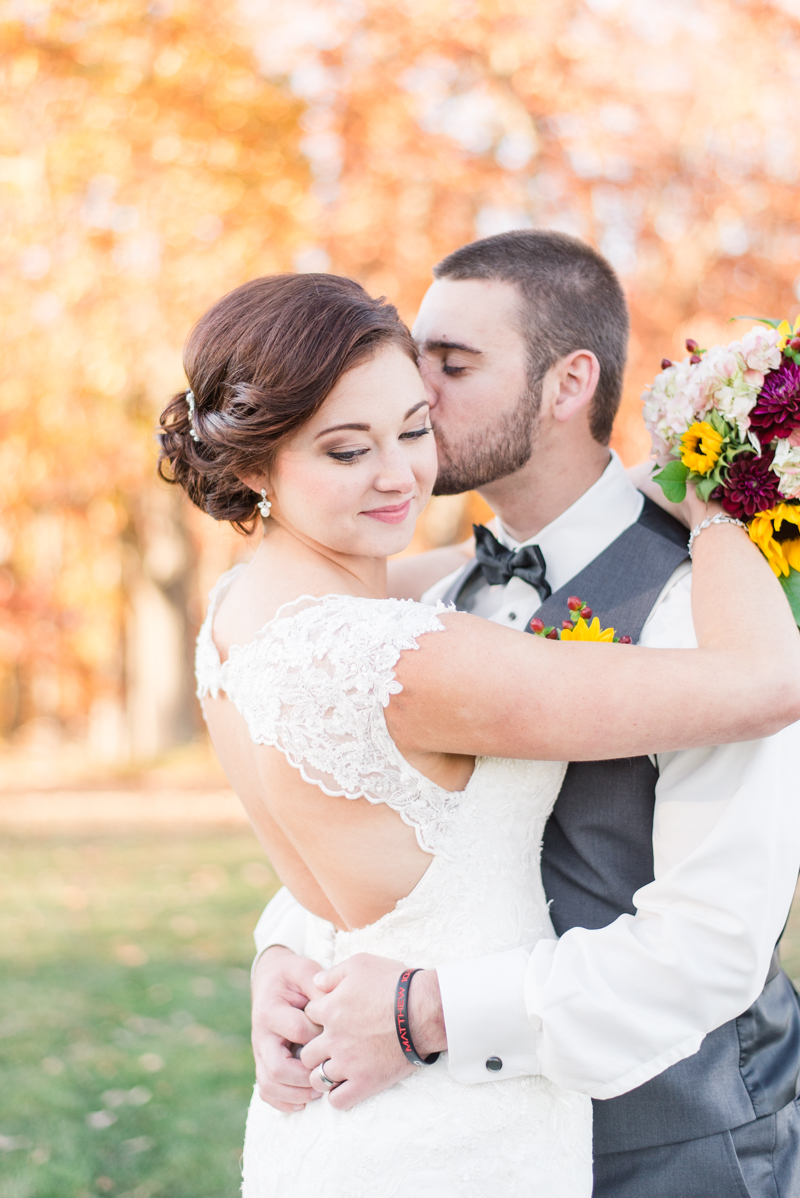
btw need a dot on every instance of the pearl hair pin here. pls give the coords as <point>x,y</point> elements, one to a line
<point>190,403</point>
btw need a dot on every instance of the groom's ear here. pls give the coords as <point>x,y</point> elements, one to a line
<point>572,383</point>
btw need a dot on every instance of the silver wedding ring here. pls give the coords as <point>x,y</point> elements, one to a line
<point>323,1077</point>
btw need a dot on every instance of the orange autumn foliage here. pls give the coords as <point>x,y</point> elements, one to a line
<point>154,155</point>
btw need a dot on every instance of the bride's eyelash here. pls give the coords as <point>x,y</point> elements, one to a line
<point>347,455</point>
<point>352,455</point>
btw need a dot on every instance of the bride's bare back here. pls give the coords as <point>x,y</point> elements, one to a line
<point>348,862</point>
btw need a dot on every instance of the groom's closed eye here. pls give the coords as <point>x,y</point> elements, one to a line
<point>452,357</point>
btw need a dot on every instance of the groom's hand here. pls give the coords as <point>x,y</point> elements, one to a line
<point>359,1039</point>
<point>282,985</point>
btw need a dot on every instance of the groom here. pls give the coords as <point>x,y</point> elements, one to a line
<point>670,879</point>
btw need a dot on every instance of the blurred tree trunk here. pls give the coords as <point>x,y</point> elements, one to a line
<point>160,585</point>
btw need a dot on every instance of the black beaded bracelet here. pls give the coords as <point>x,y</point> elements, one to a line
<point>401,1021</point>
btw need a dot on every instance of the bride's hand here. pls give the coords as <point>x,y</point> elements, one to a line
<point>694,510</point>
<point>691,511</point>
<point>282,985</point>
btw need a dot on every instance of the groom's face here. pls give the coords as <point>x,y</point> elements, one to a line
<point>475,368</point>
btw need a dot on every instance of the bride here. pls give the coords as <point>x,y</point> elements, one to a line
<point>399,762</point>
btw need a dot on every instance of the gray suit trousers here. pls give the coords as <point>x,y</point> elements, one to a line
<point>758,1160</point>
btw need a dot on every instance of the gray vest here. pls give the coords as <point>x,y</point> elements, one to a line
<point>598,850</point>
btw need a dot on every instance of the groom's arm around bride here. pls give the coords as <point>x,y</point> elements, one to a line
<point>670,1010</point>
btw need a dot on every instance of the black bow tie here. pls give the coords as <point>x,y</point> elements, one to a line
<point>500,564</point>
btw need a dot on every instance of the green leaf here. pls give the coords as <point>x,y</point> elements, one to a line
<point>791,587</point>
<point>673,472</point>
<point>773,324</point>
<point>705,487</point>
<point>719,424</point>
<point>672,480</point>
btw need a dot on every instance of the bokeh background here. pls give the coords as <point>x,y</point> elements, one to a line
<point>153,156</point>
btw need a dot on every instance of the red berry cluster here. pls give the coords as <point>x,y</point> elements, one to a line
<point>694,350</point>
<point>580,611</point>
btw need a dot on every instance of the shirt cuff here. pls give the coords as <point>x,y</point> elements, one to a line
<point>283,921</point>
<point>489,1034</point>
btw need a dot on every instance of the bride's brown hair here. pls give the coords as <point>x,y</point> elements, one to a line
<point>260,363</point>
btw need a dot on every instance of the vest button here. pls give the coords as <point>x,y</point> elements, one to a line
<point>494,1064</point>
<point>512,615</point>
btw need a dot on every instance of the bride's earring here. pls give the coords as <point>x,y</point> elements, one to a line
<point>264,505</point>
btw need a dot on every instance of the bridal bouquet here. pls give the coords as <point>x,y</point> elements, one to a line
<point>728,420</point>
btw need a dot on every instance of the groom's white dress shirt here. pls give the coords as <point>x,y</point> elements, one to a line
<point>603,1011</point>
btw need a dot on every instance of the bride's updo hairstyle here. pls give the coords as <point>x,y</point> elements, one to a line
<point>261,363</point>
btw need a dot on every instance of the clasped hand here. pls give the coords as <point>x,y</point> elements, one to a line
<point>342,1017</point>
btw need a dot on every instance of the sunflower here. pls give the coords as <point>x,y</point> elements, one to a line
<point>701,446</point>
<point>777,534</point>
<point>588,632</point>
<point>787,332</point>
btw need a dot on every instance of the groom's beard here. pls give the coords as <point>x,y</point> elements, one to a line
<point>490,453</point>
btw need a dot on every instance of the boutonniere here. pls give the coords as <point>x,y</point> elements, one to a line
<point>582,625</point>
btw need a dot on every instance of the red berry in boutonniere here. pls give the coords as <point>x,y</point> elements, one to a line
<point>584,626</point>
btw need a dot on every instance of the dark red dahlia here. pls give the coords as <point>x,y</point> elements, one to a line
<point>777,411</point>
<point>751,486</point>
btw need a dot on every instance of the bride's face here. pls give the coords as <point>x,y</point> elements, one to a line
<point>357,475</point>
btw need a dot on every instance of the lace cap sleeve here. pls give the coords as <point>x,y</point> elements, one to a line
<point>314,684</point>
<point>207,666</point>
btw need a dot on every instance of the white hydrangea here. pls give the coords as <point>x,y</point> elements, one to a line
<point>724,382</point>
<point>668,409</point>
<point>759,348</point>
<point>786,465</point>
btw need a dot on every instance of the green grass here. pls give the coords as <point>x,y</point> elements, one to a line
<point>125,1060</point>
<point>125,1064</point>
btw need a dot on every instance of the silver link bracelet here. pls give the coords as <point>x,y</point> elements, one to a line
<point>720,518</point>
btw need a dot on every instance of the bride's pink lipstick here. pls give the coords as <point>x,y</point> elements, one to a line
<point>390,515</point>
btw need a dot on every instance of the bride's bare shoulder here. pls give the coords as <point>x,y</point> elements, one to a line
<point>257,594</point>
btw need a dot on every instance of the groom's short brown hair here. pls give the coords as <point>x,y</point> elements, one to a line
<point>572,299</point>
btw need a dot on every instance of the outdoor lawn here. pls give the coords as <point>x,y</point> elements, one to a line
<point>124,1014</point>
<point>124,1050</point>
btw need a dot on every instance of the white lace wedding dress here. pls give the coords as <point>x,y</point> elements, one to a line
<point>314,683</point>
